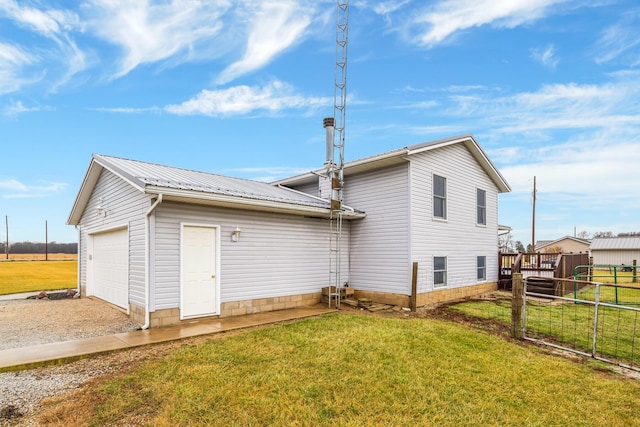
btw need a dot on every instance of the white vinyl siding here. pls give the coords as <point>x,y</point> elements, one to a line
<point>459,238</point>
<point>380,242</point>
<point>124,206</point>
<point>309,188</point>
<point>277,255</point>
<point>616,256</point>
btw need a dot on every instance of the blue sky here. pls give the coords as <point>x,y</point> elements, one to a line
<point>549,88</point>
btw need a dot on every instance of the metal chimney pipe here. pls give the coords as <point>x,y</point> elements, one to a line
<point>329,123</point>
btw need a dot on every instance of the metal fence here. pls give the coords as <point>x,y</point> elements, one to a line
<point>596,320</point>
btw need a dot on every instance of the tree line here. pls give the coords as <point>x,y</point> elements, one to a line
<point>39,248</point>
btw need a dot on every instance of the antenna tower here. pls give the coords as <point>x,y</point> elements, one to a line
<point>335,130</point>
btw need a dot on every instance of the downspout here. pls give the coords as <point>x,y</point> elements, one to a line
<point>147,264</point>
<point>79,259</point>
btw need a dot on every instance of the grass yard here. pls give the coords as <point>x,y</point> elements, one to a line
<point>354,370</point>
<point>572,324</point>
<point>28,276</point>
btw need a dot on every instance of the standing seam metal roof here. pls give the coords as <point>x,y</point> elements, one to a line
<point>143,174</point>
<point>616,243</point>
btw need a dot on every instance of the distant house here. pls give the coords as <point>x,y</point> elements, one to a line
<point>615,250</point>
<point>168,244</point>
<point>566,244</point>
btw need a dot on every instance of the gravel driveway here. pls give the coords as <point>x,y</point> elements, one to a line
<point>28,322</point>
<point>31,321</point>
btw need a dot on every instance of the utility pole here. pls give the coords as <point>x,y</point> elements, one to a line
<point>533,218</point>
<point>46,240</point>
<point>6,247</point>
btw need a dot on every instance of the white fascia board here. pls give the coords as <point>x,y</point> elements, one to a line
<point>84,194</point>
<point>243,203</point>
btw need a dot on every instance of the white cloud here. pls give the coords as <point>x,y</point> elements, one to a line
<point>240,100</point>
<point>447,17</point>
<point>555,107</point>
<point>13,61</point>
<point>150,32</point>
<point>18,107</point>
<point>54,25</point>
<point>49,23</point>
<point>386,7</point>
<point>621,40</point>
<point>14,189</point>
<point>273,27</point>
<point>545,56</point>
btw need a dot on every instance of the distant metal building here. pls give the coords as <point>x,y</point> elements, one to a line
<point>615,250</point>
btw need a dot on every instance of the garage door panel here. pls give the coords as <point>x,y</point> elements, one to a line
<point>111,267</point>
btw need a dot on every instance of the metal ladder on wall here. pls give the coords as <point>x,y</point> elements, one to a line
<point>336,170</point>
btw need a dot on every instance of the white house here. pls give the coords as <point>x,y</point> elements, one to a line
<point>435,204</point>
<point>168,244</point>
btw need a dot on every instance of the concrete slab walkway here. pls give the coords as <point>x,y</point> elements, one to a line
<point>36,355</point>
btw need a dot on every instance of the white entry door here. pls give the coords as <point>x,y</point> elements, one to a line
<point>199,275</point>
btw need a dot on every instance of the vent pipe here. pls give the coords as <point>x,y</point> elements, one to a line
<point>328,123</point>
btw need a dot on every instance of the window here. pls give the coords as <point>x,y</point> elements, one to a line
<point>439,197</point>
<point>481,201</point>
<point>439,271</point>
<point>482,268</point>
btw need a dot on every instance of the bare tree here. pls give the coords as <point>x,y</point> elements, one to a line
<point>506,242</point>
<point>584,234</point>
<point>602,234</point>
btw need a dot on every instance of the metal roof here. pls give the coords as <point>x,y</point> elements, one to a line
<point>143,174</point>
<point>400,155</point>
<point>201,187</point>
<point>616,243</point>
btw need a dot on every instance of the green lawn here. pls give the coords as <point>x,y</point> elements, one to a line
<point>572,324</point>
<point>27,276</point>
<point>352,370</point>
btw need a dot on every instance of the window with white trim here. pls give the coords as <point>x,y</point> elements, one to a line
<point>481,263</point>
<point>439,271</point>
<point>481,203</point>
<point>439,197</point>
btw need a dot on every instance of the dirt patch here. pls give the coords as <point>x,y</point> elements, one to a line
<point>29,322</point>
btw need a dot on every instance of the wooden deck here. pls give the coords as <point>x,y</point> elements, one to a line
<point>544,266</point>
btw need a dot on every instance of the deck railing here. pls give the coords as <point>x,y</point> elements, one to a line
<point>539,264</point>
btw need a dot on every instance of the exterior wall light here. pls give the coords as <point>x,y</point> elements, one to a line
<point>100,210</point>
<point>235,236</point>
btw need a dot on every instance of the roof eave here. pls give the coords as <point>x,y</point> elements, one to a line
<point>401,155</point>
<point>212,199</point>
<point>84,194</point>
<point>477,152</point>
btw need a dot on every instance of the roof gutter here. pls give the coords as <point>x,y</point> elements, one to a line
<point>147,263</point>
<point>239,202</point>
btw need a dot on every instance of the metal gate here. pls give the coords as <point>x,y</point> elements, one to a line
<point>589,321</point>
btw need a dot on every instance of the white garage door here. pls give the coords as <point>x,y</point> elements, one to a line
<point>110,272</point>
